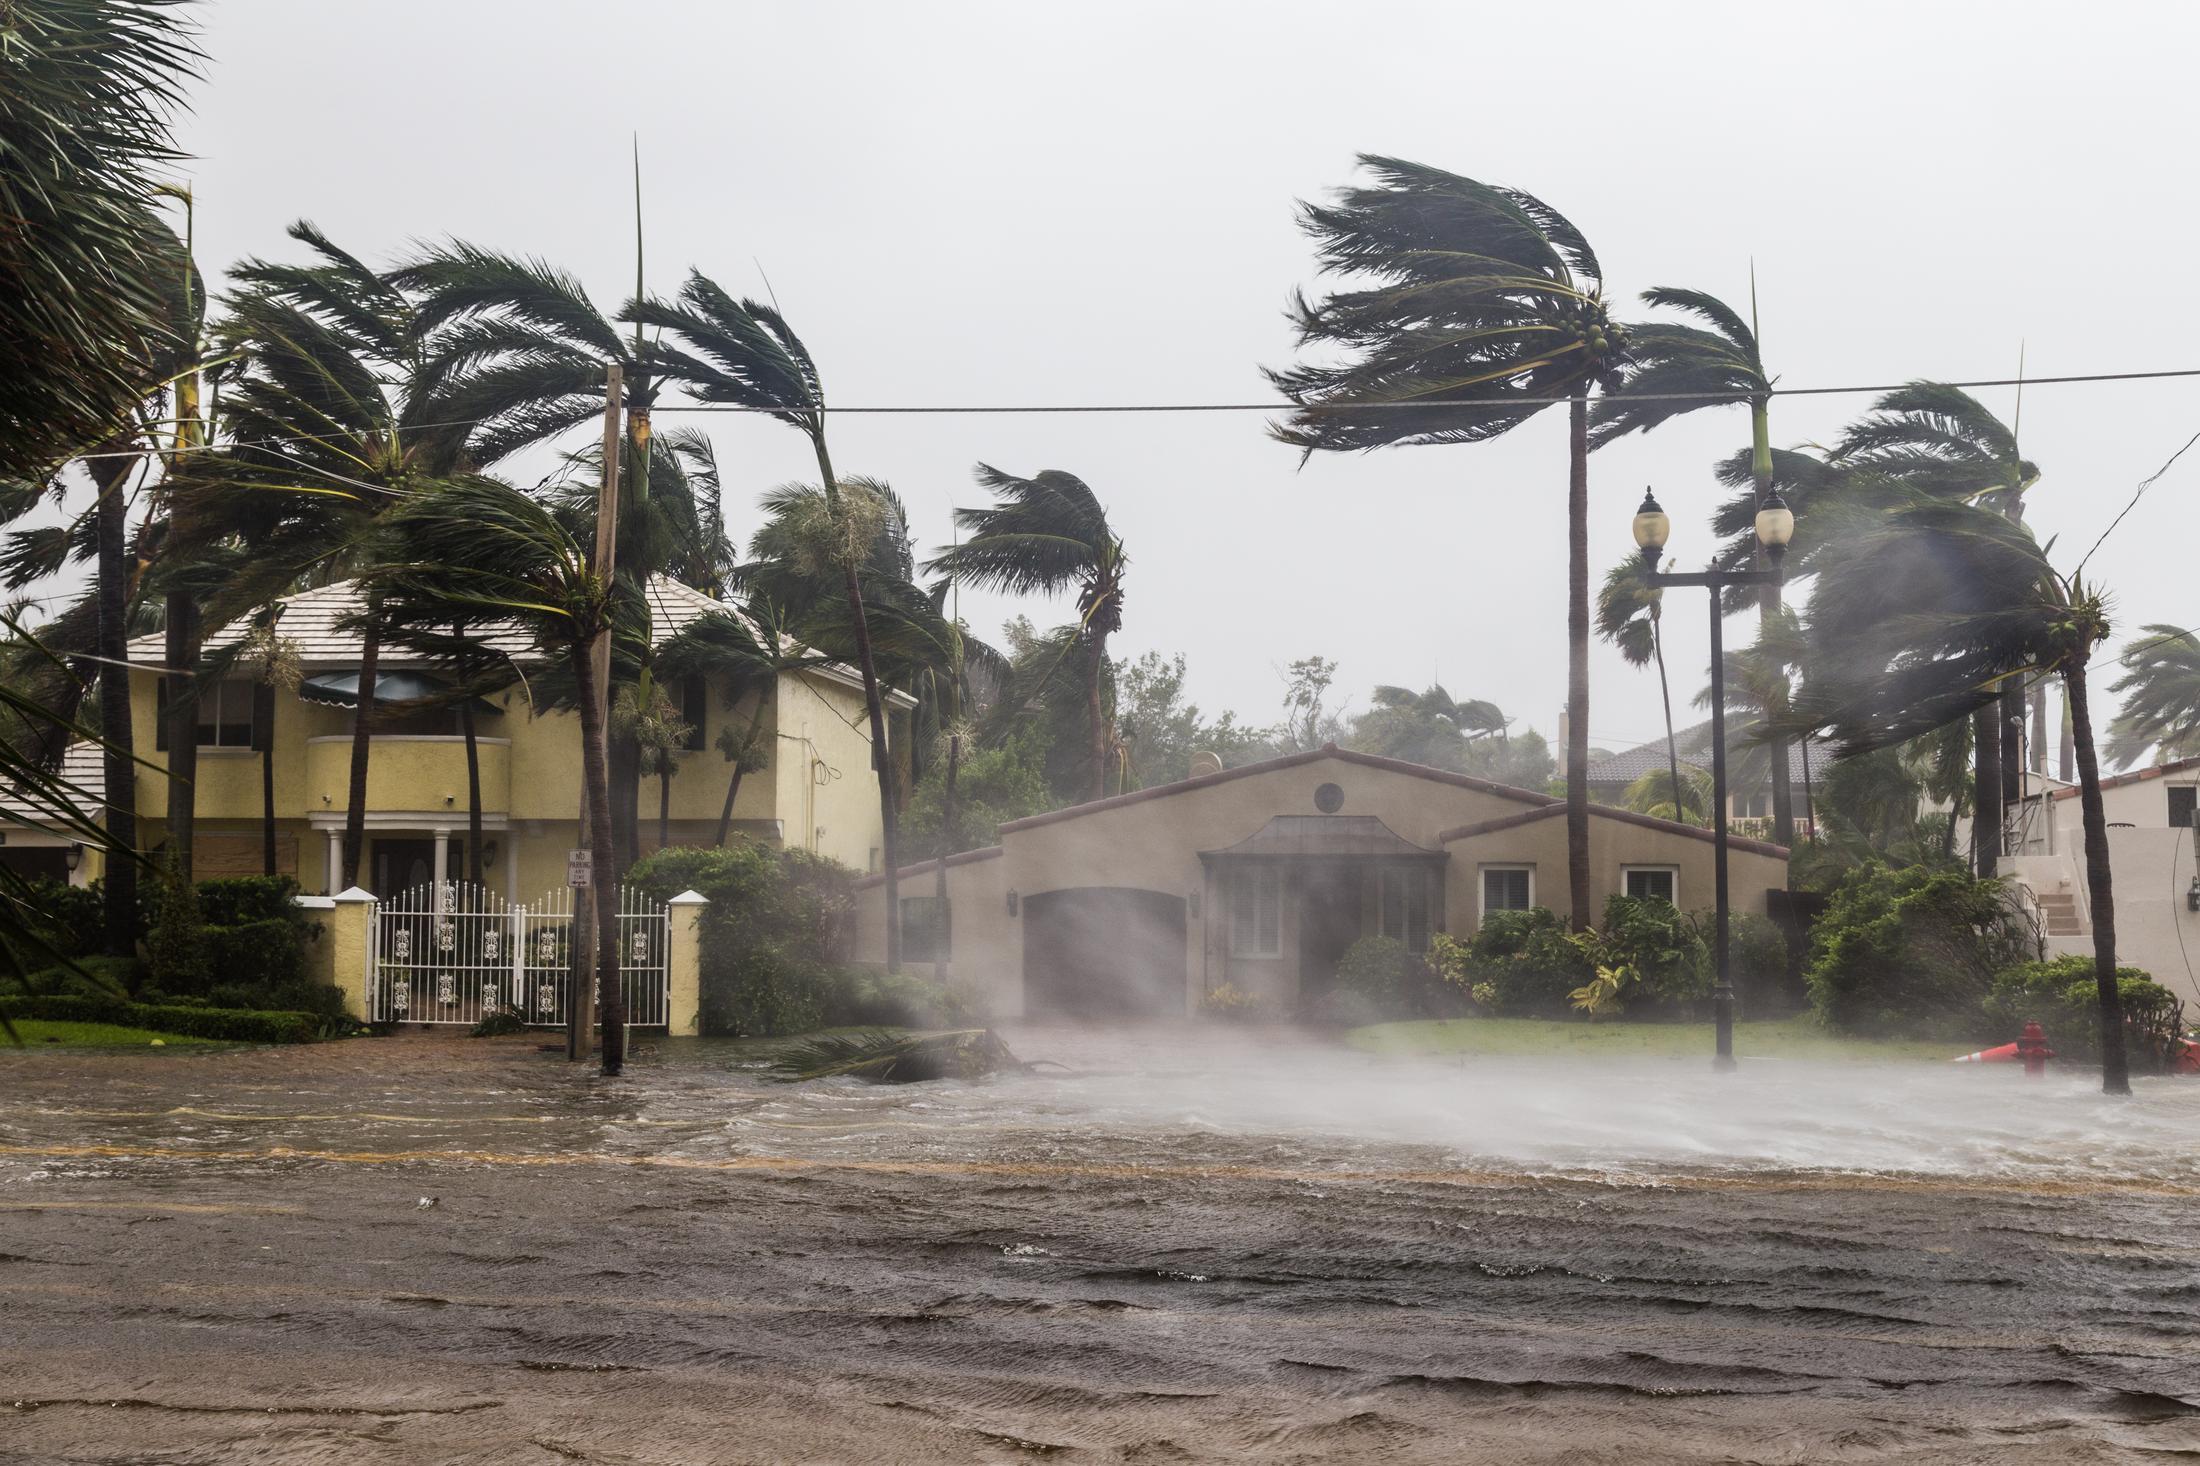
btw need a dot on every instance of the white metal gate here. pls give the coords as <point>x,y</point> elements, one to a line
<point>458,952</point>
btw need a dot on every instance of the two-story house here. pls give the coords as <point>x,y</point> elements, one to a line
<point>818,792</point>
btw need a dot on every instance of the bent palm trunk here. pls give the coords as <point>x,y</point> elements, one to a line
<point>263,731</point>
<point>602,890</point>
<point>1092,711</point>
<point>355,801</point>
<point>2115,1065</point>
<point>1577,667</point>
<point>118,758</point>
<point>473,791</point>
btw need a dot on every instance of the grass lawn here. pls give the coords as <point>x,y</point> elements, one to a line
<point>38,1033</point>
<point>1787,1038</point>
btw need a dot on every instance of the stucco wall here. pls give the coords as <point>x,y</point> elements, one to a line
<point>827,792</point>
<point>1154,844</point>
<point>1613,846</point>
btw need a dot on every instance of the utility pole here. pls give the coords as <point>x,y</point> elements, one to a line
<point>580,1012</point>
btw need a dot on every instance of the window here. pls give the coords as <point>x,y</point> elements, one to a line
<point>1507,888</point>
<point>695,710</point>
<point>927,928</point>
<point>2181,805</point>
<point>1760,805</point>
<point>1651,882</point>
<point>1256,911</point>
<point>225,715</point>
<point>1404,905</point>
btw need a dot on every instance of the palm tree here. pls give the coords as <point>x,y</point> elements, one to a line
<point>477,553</point>
<point>1680,368</point>
<point>273,658</point>
<point>1487,305</point>
<point>1630,615</point>
<point>653,721</point>
<point>325,415</point>
<point>1933,440</point>
<point>1428,727</point>
<point>743,353</point>
<point>2160,689</point>
<point>517,353</point>
<point>1045,534</point>
<point>1917,619</point>
<point>85,123</point>
<point>1683,796</point>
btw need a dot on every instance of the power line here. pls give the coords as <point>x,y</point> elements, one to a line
<point>2144,484</point>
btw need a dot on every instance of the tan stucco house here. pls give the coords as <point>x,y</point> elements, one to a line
<point>1263,876</point>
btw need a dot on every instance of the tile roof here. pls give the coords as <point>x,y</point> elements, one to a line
<point>1607,812</point>
<point>2135,776</point>
<point>1694,746</point>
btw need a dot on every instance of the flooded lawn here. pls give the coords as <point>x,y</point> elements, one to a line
<point>1195,1246</point>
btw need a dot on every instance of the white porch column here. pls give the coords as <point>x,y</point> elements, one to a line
<point>335,861</point>
<point>442,866</point>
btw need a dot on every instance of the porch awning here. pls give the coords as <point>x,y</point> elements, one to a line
<point>1324,837</point>
<point>392,687</point>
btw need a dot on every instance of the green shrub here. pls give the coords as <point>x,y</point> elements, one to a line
<point>1912,951</point>
<point>1757,952</point>
<point>1526,962</point>
<point>2063,995</point>
<point>773,935</point>
<point>1388,980</point>
<point>246,900</point>
<point>258,954</point>
<point>176,955</point>
<point>1664,951</point>
<point>92,977</point>
<point>229,1024</point>
<point>1233,1003</point>
<point>72,919</point>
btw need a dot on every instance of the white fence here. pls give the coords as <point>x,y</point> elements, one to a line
<point>455,953</point>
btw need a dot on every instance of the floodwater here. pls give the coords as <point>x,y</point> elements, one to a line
<point>1197,1246</point>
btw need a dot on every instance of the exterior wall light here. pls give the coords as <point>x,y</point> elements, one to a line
<point>74,855</point>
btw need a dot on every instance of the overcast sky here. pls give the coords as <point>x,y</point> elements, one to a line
<point>1024,203</point>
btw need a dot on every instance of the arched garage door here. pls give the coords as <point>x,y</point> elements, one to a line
<point>1103,952</point>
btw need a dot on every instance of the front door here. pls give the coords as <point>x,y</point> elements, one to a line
<point>1329,923</point>
<point>403,862</point>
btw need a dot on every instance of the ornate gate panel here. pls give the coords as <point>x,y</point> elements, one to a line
<point>456,953</point>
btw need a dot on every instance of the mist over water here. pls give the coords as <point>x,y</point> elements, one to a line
<point>1229,1094</point>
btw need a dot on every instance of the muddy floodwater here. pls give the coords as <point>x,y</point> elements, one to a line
<point>1194,1247</point>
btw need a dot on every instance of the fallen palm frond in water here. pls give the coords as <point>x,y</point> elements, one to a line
<point>883,1057</point>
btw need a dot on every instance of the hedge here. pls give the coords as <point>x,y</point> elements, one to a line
<point>234,1025</point>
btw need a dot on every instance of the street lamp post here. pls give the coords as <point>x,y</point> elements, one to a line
<point>1775,527</point>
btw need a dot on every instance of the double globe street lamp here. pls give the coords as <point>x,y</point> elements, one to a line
<point>1775,527</point>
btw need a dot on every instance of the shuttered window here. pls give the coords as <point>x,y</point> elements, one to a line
<point>1507,888</point>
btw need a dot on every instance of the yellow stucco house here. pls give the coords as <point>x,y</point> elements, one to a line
<point>1262,876</point>
<point>818,793</point>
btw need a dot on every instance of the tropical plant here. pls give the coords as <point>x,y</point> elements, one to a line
<point>744,354</point>
<point>1486,306</point>
<point>1630,615</point>
<point>478,553</point>
<point>1680,368</point>
<point>1040,536</point>
<point>1912,951</point>
<point>1684,796</point>
<point>1932,441</point>
<point>1429,727</point>
<point>2160,689</point>
<point>652,719</point>
<point>747,651</point>
<point>273,658</point>
<point>87,90</point>
<point>1917,618</point>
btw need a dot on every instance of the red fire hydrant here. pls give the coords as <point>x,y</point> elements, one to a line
<point>2033,1050</point>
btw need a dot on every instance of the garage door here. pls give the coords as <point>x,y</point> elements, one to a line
<point>1103,952</point>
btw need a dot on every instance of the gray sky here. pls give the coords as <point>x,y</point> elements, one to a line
<point>1038,203</point>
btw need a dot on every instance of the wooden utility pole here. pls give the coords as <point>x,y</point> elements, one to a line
<point>580,1013</point>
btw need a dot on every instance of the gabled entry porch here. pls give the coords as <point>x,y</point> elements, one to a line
<point>1291,899</point>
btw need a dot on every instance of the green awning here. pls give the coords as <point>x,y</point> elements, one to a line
<point>393,687</point>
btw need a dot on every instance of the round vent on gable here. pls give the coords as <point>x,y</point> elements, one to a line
<point>1329,799</point>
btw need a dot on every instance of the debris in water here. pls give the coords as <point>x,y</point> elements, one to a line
<point>427,1203</point>
<point>883,1057</point>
